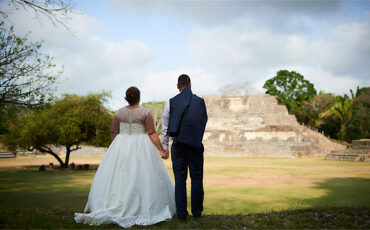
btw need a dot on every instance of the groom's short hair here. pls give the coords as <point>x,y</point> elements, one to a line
<point>184,80</point>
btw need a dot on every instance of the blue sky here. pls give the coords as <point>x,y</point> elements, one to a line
<point>114,44</point>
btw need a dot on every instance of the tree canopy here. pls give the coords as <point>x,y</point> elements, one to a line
<point>358,125</point>
<point>290,88</point>
<point>27,77</point>
<point>339,117</point>
<point>69,122</point>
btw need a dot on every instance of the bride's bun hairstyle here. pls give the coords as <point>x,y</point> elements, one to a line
<point>132,95</point>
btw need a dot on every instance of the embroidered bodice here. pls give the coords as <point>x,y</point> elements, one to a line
<point>132,121</point>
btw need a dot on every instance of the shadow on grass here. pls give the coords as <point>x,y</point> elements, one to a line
<point>44,190</point>
<point>342,192</point>
<point>32,199</point>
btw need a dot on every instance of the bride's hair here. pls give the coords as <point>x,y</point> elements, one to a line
<point>132,95</point>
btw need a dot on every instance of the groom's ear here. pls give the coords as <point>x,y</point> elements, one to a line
<point>190,84</point>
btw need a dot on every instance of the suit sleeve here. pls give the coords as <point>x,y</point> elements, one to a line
<point>165,120</point>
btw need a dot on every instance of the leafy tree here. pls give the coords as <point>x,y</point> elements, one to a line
<point>304,113</point>
<point>290,88</point>
<point>27,77</point>
<point>343,107</point>
<point>69,122</point>
<point>358,126</point>
<point>157,110</point>
<point>322,102</point>
<point>354,95</point>
<point>329,122</point>
<point>309,112</point>
<point>337,116</point>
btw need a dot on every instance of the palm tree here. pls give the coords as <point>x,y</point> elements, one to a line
<point>341,111</point>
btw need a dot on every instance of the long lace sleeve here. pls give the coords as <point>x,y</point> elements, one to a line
<point>115,127</point>
<point>149,123</point>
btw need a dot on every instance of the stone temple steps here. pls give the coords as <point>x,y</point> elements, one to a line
<point>256,125</point>
<point>359,150</point>
<point>348,155</point>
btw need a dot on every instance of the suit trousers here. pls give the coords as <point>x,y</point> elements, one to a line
<point>184,156</point>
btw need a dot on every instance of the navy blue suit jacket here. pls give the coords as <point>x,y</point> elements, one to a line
<point>188,118</point>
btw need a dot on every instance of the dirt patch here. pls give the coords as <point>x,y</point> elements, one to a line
<point>21,162</point>
<point>268,181</point>
<point>83,181</point>
<point>260,181</point>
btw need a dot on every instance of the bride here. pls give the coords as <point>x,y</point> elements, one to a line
<point>131,186</point>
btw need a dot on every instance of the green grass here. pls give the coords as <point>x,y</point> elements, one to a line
<point>253,193</point>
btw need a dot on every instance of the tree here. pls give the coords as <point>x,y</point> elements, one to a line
<point>338,115</point>
<point>69,122</point>
<point>157,110</point>
<point>309,112</point>
<point>27,77</point>
<point>322,102</point>
<point>358,126</point>
<point>290,88</point>
<point>55,10</point>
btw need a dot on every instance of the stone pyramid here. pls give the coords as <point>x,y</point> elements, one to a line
<point>257,126</point>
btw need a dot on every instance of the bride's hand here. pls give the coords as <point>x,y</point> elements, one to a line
<point>164,154</point>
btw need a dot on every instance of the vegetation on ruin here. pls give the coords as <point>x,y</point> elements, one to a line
<point>339,117</point>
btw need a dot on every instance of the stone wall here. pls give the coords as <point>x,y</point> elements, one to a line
<point>359,150</point>
<point>256,125</point>
<point>361,144</point>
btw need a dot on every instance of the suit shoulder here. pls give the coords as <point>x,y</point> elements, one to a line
<point>195,96</point>
<point>198,98</point>
<point>173,98</point>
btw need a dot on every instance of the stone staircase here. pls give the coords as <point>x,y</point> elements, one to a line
<point>359,150</point>
<point>349,155</point>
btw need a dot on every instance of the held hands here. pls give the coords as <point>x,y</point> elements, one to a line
<point>165,154</point>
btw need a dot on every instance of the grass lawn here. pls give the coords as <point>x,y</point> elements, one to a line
<point>239,192</point>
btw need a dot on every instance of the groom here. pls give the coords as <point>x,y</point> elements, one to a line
<point>184,119</point>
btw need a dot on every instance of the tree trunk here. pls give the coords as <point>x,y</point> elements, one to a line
<point>48,150</point>
<point>68,152</point>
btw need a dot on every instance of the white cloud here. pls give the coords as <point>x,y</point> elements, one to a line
<point>274,14</point>
<point>230,42</point>
<point>242,52</point>
<point>91,63</point>
<point>163,85</point>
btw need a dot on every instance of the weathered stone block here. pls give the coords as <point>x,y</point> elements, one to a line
<point>255,125</point>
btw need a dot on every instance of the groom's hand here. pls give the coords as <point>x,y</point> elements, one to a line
<point>165,154</point>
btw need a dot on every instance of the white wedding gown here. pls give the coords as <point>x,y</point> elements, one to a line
<point>132,185</point>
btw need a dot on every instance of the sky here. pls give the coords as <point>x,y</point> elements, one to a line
<point>221,44</point>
